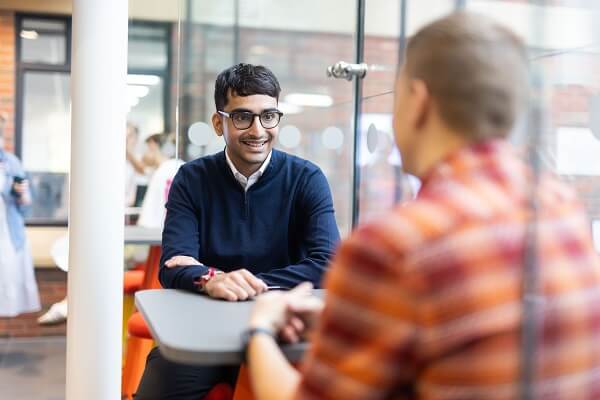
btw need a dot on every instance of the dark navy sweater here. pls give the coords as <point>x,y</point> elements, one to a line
<point>282,229</point>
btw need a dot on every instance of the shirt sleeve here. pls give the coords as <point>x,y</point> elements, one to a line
<point>364,343</point>
<point>319,237</point>
<point>180,237</point>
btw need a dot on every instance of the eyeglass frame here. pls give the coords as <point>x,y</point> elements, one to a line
<point>254,115</point>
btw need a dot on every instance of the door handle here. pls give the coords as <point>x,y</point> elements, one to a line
<point>344,70</point>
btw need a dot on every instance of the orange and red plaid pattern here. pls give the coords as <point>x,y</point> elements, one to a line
<point>426,302</point>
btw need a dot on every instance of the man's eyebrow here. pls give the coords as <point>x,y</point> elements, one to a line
<point>250,111</point>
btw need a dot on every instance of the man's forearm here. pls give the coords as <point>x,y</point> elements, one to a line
<point>181,277</point>
<point>272,376</point>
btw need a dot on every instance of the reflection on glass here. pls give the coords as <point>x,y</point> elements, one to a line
<point>289,136</point>
<point>563,40</point>
<point>332,138</point>
<point>298,51</point>
<point>200,133</point>
<point>46,122</point>
<point>146,104</point>
<point>43,41</point>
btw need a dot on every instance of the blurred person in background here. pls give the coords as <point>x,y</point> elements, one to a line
<point>426,303</point>
<point>18,287</point>
<point>153,207</point>
<point>133,165</point>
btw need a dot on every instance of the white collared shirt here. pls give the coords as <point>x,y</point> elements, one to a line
<point>251,180</point>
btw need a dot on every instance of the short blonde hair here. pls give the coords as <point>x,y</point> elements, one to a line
<point>476,71</point>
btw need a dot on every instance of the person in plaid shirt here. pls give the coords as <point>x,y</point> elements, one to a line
<point>426,303</point>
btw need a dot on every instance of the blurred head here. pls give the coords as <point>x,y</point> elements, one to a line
<point>464,80</point>
<point>153,155</point>
<point>155,141</point>
<point>240,91</point>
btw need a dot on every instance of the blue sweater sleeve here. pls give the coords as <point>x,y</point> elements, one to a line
<point>180,236</point>
<point>319,238</point>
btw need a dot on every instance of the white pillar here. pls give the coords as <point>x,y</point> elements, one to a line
<point>95,282</point>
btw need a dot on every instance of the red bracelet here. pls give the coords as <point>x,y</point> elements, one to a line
<point>203,280</point>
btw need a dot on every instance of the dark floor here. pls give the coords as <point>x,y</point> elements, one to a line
<point>33,368</point>
<point>33,357</point>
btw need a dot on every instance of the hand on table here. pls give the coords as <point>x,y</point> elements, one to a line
<point>291,314</point>
<point>237,285</point>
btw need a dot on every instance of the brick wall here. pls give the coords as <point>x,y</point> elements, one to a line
<point>52,284</point>
<point>7,74</point>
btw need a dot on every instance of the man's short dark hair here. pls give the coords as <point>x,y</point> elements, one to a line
<point>245,80</point>
<point>476,70</point>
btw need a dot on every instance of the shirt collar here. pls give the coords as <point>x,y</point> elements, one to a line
<point>247,182</point>
<point>493,156</point>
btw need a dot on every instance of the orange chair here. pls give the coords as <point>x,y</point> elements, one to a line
<point>139,340</point>
<point>243,388</point>
<point>138,330</point>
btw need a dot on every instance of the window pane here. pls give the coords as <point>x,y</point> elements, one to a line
<point>147,54</point>
<point>46,142</point>
<point>43,41</point>
<point>382,181</point>
<point>148,46</point>
<point>145,100</point>
<point>563,40</point>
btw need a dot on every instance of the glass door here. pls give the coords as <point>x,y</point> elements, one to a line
<point>297,41</point>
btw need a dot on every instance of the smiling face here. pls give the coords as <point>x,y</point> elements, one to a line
<point>247,148</point>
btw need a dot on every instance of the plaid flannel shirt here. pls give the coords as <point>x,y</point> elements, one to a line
<point>426,302</point>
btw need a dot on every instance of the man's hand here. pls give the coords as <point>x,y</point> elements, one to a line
<point>181,261</point>
<point>291,314</point>
<point>235,285</point>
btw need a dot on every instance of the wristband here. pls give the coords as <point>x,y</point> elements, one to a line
<point>203,280</point>
<point>247,335</point>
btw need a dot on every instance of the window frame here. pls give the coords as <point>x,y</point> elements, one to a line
<point>22,68</point>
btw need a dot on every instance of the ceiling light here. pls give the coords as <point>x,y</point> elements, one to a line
<point>309,100</point>
<point>288,109</point>
<point>136,79</point>
<point>137,90</point>
<point>25,34</point>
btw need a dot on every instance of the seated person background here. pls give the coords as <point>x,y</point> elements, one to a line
<point>427,302</point>
<point>153,207</point>
<point>240,220</point>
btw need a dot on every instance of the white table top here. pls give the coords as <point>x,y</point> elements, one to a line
<point>139,235</point>
<point>194,329</point>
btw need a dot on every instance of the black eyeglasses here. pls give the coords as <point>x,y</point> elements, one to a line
<point>244,119</point>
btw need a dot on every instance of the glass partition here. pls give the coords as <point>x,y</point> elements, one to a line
<point>565,65</point>
<point>387,27</point>
<point>317,121</point>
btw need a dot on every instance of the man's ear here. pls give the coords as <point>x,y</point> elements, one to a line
<point>421,101</point>
<point>217,122</point>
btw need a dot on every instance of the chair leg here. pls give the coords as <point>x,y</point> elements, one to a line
<point>135,362</point>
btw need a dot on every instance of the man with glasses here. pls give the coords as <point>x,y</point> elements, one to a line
<point>240,221</point>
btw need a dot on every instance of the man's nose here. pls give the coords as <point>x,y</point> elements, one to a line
<point>257,127</point>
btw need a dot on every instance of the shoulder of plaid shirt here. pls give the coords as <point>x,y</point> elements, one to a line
<point>426,301</point>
